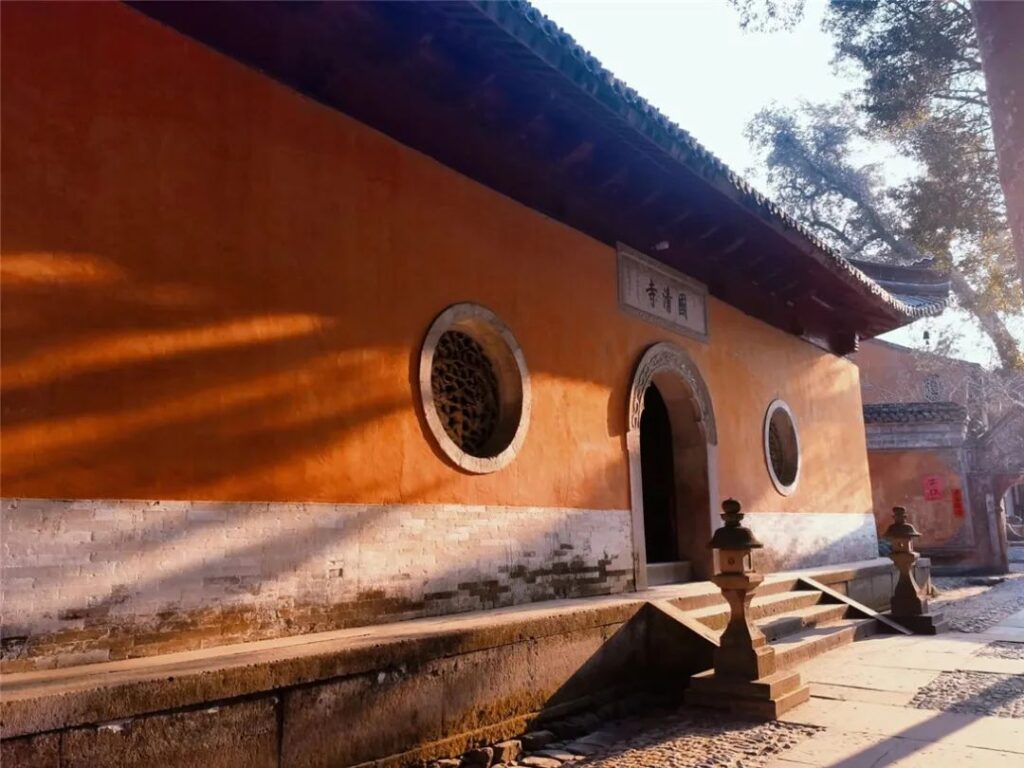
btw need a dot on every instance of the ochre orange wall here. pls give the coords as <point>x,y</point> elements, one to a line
<point>888,374</point>
<point>893,374</point>
<point>216,288</point>
<point>898,479</point>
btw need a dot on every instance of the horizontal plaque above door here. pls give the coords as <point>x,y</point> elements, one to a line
<point>661,295</point>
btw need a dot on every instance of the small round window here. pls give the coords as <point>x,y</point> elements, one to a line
<point>475,388</point>
<point>781,447</point>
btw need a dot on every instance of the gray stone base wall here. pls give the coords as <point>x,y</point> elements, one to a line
<point>96,580</point>
<point>430,689</point>
<point>391,706</point>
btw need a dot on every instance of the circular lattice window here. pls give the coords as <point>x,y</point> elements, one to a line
<point>475,388</point>
<point>781,447</point>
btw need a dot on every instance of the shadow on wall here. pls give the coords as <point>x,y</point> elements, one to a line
<point>178,285</point>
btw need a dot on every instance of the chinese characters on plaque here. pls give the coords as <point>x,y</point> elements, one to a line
<point>661,295</point>
<point>934,487</point>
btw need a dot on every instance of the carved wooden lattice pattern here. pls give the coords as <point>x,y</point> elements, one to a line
<point>465,390</point>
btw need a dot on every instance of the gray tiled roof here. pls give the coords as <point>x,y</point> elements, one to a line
<point>890,413</point>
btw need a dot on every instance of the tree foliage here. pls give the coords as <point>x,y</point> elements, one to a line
<point>922,97</point>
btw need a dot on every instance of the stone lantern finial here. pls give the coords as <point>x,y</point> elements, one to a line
<point>901,528</point>
<point>733,534</point>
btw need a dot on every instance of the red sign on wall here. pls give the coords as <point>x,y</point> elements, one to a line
<point>934,487</point>
<point>958,502</point>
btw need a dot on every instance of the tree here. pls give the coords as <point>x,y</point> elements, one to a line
<point>922,95</point>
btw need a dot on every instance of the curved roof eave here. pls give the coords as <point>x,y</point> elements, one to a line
<point>525,22</point>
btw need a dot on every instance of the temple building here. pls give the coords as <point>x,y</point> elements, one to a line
<point>321,316</point>
<point>331,315</point>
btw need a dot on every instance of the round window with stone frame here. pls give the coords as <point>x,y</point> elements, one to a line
<point>781,447</point>
<point>475,388</point>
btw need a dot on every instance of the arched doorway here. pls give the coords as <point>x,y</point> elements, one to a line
<point>661,524</point>
<point>672,444</point>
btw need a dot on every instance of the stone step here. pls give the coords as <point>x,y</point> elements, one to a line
<point>668,573</point>
<point>793,650</point>
<point>707,595</point>
<point>717,616</point>
<point>790,623</point>
<point>706,685</point>
<point>766,698</point>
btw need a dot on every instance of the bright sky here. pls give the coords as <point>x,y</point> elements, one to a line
<point>691,60</point>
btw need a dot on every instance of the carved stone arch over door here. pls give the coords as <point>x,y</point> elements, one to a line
<point>695,438</point>
<point>665,357</point>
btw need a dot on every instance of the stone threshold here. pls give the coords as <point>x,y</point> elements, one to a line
<point>47,700</point>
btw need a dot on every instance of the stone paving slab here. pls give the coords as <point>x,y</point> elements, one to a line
<point>947,663</point>
<point>870,695</point>
<point>1016,620</point>
<point>836,672</point>
<point>846,750</point>
<point>1001,632</point>
<point>916,724</point>
<point>941,656</point>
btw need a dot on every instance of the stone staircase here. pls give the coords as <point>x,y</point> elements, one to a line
<point>799,621</point>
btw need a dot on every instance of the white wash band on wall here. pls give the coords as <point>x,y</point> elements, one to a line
<point>89,580</point>
<point>807,539</point>
<point>201,570</point>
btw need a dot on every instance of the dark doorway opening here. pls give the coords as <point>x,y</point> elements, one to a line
<point>657,468</point>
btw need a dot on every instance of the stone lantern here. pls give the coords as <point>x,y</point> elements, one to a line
<point>908,607</point>
<point>744,679</point>
<point>743,653</point>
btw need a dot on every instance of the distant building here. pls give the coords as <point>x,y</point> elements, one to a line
<point>320,315</point>
<point>945,441</point>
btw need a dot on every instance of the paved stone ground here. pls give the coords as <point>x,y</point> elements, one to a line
<point>974,608</point>
<point>974,693</point>
<point>912,702</point>
<point>686,739</point>
<point>1002,649</point>
<point>928,702</point>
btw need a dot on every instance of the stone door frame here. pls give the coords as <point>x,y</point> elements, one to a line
<point>658,359</point>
